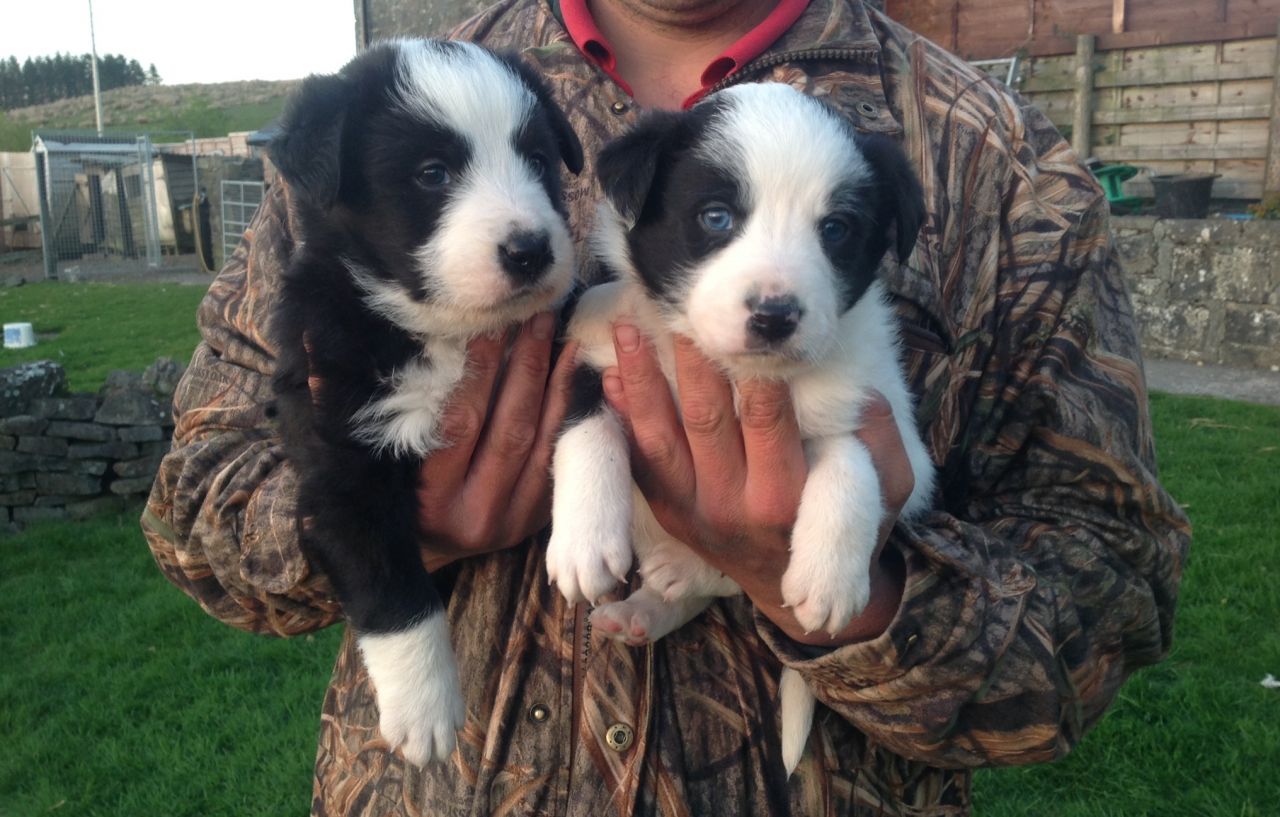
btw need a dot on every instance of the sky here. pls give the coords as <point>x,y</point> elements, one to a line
<point>190,40</point>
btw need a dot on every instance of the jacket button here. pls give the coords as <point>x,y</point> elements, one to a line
<point>619,108</point>
<point>538,713</point>
<point>619,737</point>
<point>868,110</point>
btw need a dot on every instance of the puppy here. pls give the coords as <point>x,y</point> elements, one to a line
<point>424,179</point>
<point>754,224</point>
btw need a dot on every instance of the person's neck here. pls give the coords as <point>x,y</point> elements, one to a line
<point>662,46</point>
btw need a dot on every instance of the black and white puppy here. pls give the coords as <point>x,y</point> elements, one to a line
<point>424,178</point>
<point>754,224</point>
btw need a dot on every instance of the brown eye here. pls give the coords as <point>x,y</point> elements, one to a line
<point>834,230</point>
<point>433,175</point>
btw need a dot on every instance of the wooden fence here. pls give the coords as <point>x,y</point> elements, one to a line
<point>1200,108</point>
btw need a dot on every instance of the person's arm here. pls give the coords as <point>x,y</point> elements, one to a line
<point>222,520</point>
<point>1051,573</point>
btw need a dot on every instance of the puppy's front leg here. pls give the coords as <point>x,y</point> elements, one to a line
<point>827,581</point>
<point>590,547</point>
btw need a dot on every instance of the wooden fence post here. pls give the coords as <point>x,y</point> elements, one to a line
<point>1082,122</point>
<point>1271,183</point>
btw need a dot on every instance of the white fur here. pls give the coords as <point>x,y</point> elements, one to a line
<point>832,364</point>
<point>415,676</point>
<point>590,547</point>
<point>497,197</point>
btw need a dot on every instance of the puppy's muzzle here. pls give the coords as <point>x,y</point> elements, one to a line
<point>772,320</point>
<point>526,255</point>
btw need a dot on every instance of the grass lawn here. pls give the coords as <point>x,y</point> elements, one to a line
<point>122,698</point>
<point>92,329</point>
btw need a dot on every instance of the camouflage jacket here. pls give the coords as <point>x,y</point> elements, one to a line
<point>1048,574</point>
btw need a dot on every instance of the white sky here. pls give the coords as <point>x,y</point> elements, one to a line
<point>190,40</point>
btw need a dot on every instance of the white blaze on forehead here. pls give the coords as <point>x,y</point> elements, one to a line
<point>465,86</point>
<point>790,151</point>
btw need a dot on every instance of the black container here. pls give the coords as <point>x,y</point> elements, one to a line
<point>1183,195</point>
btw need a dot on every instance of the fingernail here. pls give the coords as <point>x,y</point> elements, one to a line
<point>627,337</point>
<point>544,323</point>
<point>612,386</point>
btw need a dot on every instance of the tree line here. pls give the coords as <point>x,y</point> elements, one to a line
<point>48,79</point>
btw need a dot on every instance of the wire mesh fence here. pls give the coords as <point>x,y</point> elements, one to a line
<point>119,202</point>
<point>240,200</point>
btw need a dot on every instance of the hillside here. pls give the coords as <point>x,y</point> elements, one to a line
<point>209,110</point>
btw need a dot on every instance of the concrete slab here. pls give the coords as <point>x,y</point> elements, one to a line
<point>1250,385</point>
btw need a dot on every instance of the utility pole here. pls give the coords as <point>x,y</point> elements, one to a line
<point>97,92</point>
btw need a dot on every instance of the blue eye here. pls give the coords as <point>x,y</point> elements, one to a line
<point>834,230</point>
<point>716,218</point>
<point>433,174</point>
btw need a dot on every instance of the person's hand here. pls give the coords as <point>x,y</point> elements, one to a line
<point>490,489</point>
<point>730,486</point>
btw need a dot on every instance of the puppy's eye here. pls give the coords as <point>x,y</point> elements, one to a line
<point>433,174</point>
<point>716,218</point>
<point>538,163</point>
<point>834,230</point>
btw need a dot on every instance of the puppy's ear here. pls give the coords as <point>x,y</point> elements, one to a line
<point>308,149</point>
<point>566,139</point>
<point>899,195</point>
<point>628,165</point>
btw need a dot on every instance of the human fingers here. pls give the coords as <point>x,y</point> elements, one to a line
<point>711,428</point>
<point>461,423</point>
<point>661,460</point>
<point>531,499</point>
<point>775,463</point>
<point>512,426</point>
<point>880,434</point>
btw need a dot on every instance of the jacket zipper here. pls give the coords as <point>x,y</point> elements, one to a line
<point>770,60</point>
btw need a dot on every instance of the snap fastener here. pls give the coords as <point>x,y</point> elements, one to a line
<point>538,713</point>
<point>619,107</point>
<point>868,110</point>
<point>619,737</point>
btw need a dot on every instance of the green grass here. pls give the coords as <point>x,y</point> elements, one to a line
<point>92,329</point>
<point>121,698</point>
<point>1196,735</point>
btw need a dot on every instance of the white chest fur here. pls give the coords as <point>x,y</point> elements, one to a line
<point>405,420</point>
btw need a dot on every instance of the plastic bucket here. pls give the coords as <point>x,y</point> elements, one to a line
<point>1183,195</point>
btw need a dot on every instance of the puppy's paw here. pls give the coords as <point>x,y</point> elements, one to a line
<point>825,590</point>
<point>415,681</point>
<point>586,565</point>
<point>645,617</point>
<point>675,572</point>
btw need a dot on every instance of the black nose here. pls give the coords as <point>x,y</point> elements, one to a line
<point>773,320</point>
<point>525,256</point>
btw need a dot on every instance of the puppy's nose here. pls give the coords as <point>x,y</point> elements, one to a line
<point>526,255</point>
<point>774,319</point>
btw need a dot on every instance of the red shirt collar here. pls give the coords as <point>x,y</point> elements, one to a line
<point>592,43</point>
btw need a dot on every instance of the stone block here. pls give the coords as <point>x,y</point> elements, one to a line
<point>1244,273</point>
<point>23,424</point>
<point>140,434</point>
<point>25,515</point>
<point>17,462</point>
<point>8,443</point>
<point>18,498</point>
<point>114,450</point>
<point>130,487</point>
<point>1175,332</point>
<point>86,508</point>
<point>162,376</point>
<point>65,408</point>
<point>48,446</point>
<point>156,449</point>
<point>95,467</point>
<point>143,466</point>
<point>13,482</point>
<point>131,408</point>
<point>69,484</point>
<point>80,431</point>
<point>21,384</point>
<point>1189,271</point>
<point>1251,336</point>
<point>1137,253</point>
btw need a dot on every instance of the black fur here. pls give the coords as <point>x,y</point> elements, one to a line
<point>353,160</point>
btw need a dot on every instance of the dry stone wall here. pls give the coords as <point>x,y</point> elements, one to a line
<point>70,456</point>
<point>1205,290</point>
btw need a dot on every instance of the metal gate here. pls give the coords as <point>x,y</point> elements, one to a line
<point>240,200</point>
<point>114,204</point>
